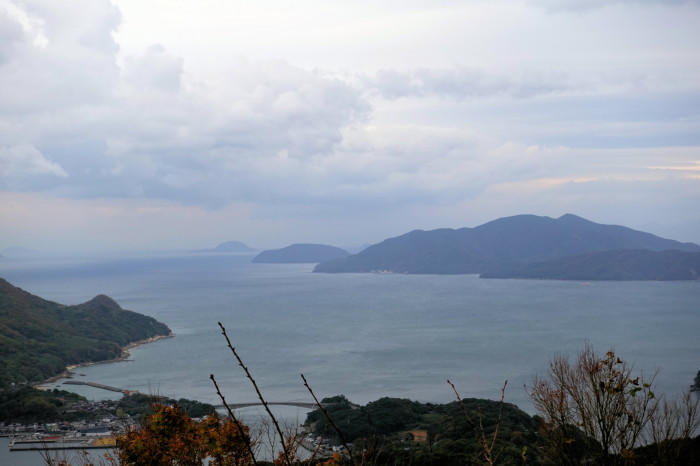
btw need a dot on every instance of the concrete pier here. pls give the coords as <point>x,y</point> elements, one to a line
<point>99,385</point>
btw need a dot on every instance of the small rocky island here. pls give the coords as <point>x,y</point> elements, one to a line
<point>233,246</point>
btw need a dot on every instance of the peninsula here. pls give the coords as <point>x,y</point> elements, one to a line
<point>41,338</point>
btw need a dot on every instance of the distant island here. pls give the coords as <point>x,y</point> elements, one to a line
<point>230,247</point>
<point>301,253</point>
<point>233,246</point>
<point>39,338</point>
<point>526,245</point>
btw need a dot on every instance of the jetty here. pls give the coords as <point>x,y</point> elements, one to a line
<point>101,386</point>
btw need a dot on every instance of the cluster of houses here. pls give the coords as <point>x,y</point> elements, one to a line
<point>97,428</point>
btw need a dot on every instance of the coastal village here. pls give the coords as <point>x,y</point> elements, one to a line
<point>98,429</point>
<point>96,425</point>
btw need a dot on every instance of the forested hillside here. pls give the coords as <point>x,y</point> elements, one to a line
<point>39,338</point>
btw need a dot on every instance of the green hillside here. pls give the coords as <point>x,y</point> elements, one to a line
<point>410,432</point>
<point>39,338</point>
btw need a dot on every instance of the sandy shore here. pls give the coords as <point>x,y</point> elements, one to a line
<point>68,373</point>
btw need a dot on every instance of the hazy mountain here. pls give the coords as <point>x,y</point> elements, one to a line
<point>620,264</point>
<point>505,242</point>
<point>38,338</point>
<point>357,248</point>
<point>301,253</point>
<point>233,246</point>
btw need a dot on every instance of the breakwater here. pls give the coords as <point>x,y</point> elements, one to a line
<point>101,386</point>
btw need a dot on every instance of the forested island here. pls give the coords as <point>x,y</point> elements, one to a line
<point>300,254</point>
<point>39,338</point>
<point>529,246</point>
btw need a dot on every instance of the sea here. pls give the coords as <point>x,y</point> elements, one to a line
<point>366,336</point>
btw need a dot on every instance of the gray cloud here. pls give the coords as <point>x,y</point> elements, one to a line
<point>25,160</point>
<point>461,83</point>
<point>11,34</point>
<point>155,69</point>
<point>137,131</point>
<point>80,120</point>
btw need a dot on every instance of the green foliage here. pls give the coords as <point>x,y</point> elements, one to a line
<point>28,404</point>
<point>140,406</point>
<point>38,338</point>
<point>194,408</point>
<point>384,425</point>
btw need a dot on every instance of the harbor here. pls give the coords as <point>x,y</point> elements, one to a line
<point>35,443</point>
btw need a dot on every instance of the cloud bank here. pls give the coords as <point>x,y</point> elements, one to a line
<point>524,107</point>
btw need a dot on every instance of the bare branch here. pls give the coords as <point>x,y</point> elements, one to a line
<point>500,415</point>
<point>241,431</point>
<point>325,413</point>
<point>461,403</point>
<point>257,390</point>
<point>481,433</point>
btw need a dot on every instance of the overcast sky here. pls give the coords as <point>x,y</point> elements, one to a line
<point>181,123</point>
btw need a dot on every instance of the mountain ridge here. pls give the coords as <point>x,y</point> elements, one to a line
<point>500,243</point>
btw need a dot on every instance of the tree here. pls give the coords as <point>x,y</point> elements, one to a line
<point>594,409</point>
<point>170,436</point>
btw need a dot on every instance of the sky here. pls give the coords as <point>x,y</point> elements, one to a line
<point>167,124</point>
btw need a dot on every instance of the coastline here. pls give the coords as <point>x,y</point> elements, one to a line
<point>124,356</point>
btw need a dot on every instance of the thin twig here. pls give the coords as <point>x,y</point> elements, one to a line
<point>482,440</point>
<point>325,413</point>
<point>481,434</point>
<point>500,416</point>
<point>461,403</point>
<point>241,432</point>
<point>257,390</point>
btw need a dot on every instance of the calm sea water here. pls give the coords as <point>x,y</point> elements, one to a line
<point>366,335</point>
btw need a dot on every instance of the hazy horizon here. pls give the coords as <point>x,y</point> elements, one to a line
<point>163,125</point>
<point>23,251</point>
